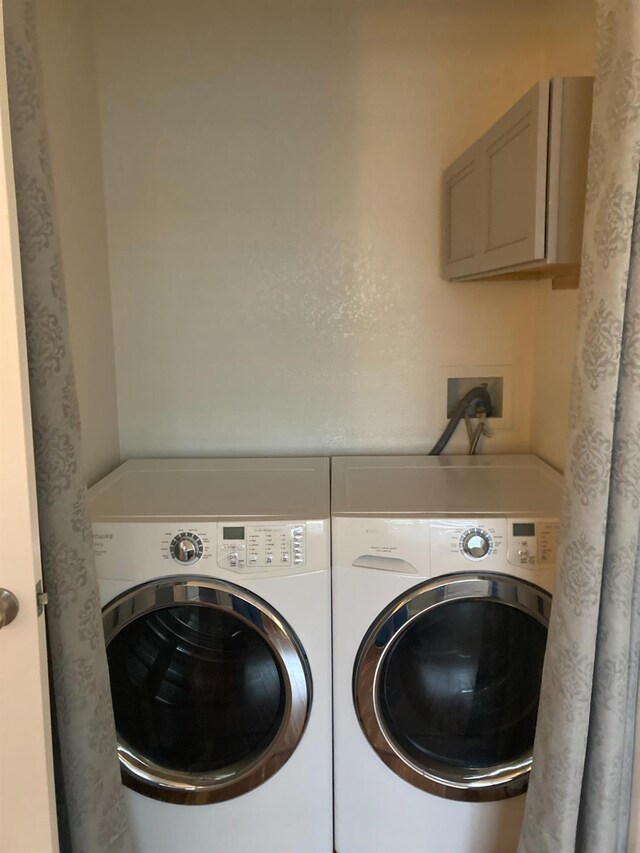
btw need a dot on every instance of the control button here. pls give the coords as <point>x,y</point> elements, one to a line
<point>298,561</point>
<point>253,559</point>
<point>268,558</point>
<point>185,551</point>
<point>523,553</point>
<point>476,543</point>
<point>186,548</point>
<point>285,558</point>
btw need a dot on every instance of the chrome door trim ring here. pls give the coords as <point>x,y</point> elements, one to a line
<point>157,782</point>
<point>480,784</point>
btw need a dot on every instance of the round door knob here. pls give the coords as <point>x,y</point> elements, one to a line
<point>476,543</point>
<point>9,607</point>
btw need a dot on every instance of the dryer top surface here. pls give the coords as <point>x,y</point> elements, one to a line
<point>433,486</point>
<point>213,489</point>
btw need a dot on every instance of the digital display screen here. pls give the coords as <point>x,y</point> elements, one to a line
<point>524,530</point>
<point>233,532</point>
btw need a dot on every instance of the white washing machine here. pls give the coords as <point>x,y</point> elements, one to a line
<point>442,576</point>
<point>215,581</point>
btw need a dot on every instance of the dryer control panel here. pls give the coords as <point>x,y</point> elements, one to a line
<point>261,546</point>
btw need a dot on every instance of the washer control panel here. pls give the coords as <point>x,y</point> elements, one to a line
<point>244,547</point>
<point>496,543</point>
<point>532,542</point>
<point>455,543</point>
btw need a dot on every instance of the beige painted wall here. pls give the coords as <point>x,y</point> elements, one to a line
<point>272,175</point>
<point>272,182</point>
<point>569,49</point>
<point>65,35</point>
<point>555,322</point>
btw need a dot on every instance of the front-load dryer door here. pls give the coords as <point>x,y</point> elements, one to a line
<point>211,688</point>
<point>447,681</point>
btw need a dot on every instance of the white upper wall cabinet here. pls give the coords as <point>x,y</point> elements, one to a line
<point>513,203</point>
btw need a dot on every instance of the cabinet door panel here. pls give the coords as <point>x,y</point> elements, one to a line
<point>513,176</point>
<point>513,181</point>
<point>460,215</point>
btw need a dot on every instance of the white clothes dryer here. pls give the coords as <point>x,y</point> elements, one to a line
<point>215,580</point>
<point>443,570</point>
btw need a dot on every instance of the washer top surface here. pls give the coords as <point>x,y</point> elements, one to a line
<point>431,486</point>
<point>213,489</point>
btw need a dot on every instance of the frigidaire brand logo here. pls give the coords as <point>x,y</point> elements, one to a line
<point>103,535</point>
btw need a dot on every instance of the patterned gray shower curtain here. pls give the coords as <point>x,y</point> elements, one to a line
<point>580,793</point>
<point>91,814</point>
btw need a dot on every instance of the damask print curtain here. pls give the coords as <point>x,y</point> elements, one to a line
<point>91,813</point>
<point>580,793</point>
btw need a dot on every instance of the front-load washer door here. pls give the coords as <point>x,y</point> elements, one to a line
<point>447,681</point>
<point>211,688</point>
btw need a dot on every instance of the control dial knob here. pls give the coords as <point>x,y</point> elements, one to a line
<point>476,543</point>
<point>186,548</point>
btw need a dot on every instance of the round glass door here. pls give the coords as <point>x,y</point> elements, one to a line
<point>211,689</point>
<point>447,682</point>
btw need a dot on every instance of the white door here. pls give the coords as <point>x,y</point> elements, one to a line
<point>27,808</point>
